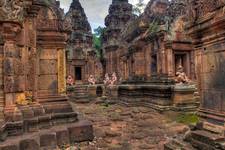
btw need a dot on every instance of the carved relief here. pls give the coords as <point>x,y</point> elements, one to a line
<point>67,24</point>
<point>11,10</point>
<point>200,8</point>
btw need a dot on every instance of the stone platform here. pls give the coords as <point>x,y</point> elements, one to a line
<point>50,139</point>
<point>163,95</point>
<point>45,116</point>
<point>85,93</point>
<point>200,137</point>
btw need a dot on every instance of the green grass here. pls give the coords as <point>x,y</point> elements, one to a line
<point>189,119</point>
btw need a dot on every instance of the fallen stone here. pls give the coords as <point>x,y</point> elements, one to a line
<point>10,147</point>
<point>146,146</point>
<point>29,144</point>
<point>139,135</point>
<point>48,140</point>
<point>110,133</point>
<point>62,137</point>
<point>100,133</point>
<point>81,131</point>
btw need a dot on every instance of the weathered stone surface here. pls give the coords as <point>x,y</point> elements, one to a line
<point>29,144</point>
<point>62,136</point>
<point>125,134</point>
<point>83,131</point>
<point>48,140</point>
<point>10,147</point>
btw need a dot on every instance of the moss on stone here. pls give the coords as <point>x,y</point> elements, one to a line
<point>187,118</point>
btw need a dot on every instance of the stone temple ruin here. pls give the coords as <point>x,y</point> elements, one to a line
<point>170,58</point>
<point>33,92</point>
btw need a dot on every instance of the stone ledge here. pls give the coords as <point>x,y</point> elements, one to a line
<point>51,138</point>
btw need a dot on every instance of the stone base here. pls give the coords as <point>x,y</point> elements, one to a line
<point>204,135</point>
<point>45,114</point>
<point>51,138</point>
<point>79,94</point>
<point>112,93</point>
<point>159,94</point>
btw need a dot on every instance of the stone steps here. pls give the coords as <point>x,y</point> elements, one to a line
<point>198,139</point>
<point>49,139</point>
<point>178,145</point>
<point>80,94</point>
<point>35,124</point>
<point>53,98</point>
<point>209,140</point>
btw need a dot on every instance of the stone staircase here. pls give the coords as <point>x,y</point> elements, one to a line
<point>47,119</point>
<point>80,94</point>
<point>198,139</point>
<point>50,139</point>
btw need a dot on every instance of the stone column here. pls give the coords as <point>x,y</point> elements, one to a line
<point>13,78</point>
<point>61,71</point>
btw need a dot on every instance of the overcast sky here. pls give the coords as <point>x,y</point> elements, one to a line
<point>96,10</point>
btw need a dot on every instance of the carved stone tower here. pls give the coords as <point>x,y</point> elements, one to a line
<point>120,13</point>
<point>80,42</point>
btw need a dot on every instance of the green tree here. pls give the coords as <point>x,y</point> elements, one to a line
<point>98,40</point>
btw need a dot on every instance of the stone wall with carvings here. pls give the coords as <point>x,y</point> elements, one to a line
<point>28,29</point>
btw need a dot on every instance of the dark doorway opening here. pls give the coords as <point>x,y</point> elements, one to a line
<point>154,64</point>
<point>99,91</point>
<point>78,73</point>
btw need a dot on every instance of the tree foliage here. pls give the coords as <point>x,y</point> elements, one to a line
<point>98,40</point>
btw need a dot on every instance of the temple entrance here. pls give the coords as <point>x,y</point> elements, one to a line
<point>78,73</point>
<point>154,64</point>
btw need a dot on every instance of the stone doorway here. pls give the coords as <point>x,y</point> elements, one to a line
<point>78,73</point>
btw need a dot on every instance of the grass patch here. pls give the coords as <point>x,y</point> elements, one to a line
<point>188,119</point>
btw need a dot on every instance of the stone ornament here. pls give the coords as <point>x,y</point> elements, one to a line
<point>181,77</point>
<point>107,79</point>
<point>70,80</point>
<point>11,10</point>
<point>91,80</point>
<point>113,79</point>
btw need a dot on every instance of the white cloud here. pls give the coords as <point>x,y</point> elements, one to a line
<point>96,10</point>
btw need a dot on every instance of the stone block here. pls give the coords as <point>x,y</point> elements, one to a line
<point>29,144</point>
<point>10,146</point>
<point>48,54</point>
<point>44,121</point>
<point>38,110</point>
<point>81,131</point>
<point>48,140</point>
<point>48,67</point>
<point>62,137</point>
<point>92,91</point>
<point>8,66</point>
<point>50,82</point>
<point>9,84</point>
<point>184,94</point>
<point>14,128</point>
<point>18,67</point>
<point>19,83</point>
<point>27,112</point>
<point>31,125</point>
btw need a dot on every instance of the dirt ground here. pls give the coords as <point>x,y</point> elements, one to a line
<point>126,128</point>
